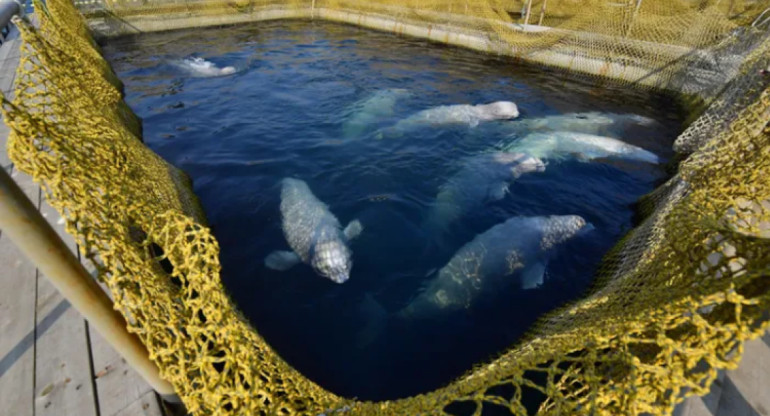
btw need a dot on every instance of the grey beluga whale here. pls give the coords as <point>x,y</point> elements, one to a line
<point>483,178</point>
<point>313,233</point>
<point>512,253</point>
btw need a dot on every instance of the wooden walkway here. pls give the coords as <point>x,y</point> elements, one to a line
<point>52,363</point>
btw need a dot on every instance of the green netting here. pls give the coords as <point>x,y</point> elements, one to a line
<point>673,302</point>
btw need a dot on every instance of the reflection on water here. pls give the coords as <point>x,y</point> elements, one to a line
<point>287,112</point>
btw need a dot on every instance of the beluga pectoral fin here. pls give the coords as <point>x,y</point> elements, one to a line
<point>282,260</point>
<point>497,191</point>
<point>353,230</point>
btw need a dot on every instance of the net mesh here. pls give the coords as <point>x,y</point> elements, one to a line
<point>672,303</point>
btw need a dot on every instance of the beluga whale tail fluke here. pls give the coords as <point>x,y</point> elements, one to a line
<point>313,233</point>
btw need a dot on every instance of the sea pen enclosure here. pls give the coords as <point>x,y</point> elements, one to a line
<point>690,271</point>
<point>320,102</point>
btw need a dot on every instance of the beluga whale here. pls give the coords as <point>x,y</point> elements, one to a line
<point>457,114</point>
<point>510,254</point>
<point>376,108</point>
<point>585,147</point>
<point>313,233</point>
<point>484,178</point>
<point>591,122</point>
<point>200,67</point>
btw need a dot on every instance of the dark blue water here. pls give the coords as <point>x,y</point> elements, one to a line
<point>281,115</point>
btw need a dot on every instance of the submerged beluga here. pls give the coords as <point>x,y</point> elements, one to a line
<point>582,146</point>
<point>374,109</point>
<point>458,114</point>
<point>313,233</point>
<point>591,122</point>
<point>511,254</point>
<point>483,178</point>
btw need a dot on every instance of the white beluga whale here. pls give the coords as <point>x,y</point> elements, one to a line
<point>374,109</point>
<point>313,233</point>
<point>483,178</point>
<point>458,114</point>
<point>591,122</point>
<point>510,254</point>
<point>566,144</point>
<point>202,68</point>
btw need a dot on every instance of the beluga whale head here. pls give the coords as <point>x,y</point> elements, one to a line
<point>499,110</point>
<point>331,258</point>
<point>560,228</point>
<point>519,163</point>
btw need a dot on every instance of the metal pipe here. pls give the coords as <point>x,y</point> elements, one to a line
<point>542,13</point>
<point>23,224</point>
<point>632,18</point>
<point>8,9</point>
<point>529,12</point>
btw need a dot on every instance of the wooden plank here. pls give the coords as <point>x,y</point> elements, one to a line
<point>746,388</point>
<point>18,288</point>
<point>10,47</point>
<point>17,326</point>
<point>147,405</point>
<point>63,373</point>
<point>703,406</point>
<point>119,387</point>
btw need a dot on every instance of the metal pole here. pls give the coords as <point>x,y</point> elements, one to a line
<point>633,17</point>
<point>529,11</point>
<point>22,222</point>
<point>542,13</point>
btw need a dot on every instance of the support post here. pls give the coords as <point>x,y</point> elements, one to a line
<point>632,18</point>
<point>529,12</point>
<point>542,13</point>
<point>23,224</point>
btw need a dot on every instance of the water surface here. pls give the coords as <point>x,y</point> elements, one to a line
<point>282,114</point>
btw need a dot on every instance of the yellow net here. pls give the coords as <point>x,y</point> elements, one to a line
<point>672,304</point>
